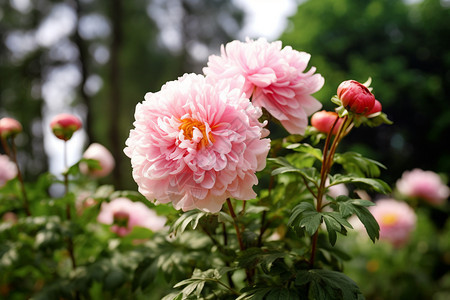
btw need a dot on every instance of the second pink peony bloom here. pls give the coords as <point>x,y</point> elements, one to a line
<point>275,78</point>
<point>195,144</point>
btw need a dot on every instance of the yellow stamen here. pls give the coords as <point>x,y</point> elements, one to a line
<point>188,125</point>
<point>389,219</point>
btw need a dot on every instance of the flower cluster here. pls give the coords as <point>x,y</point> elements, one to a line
<point>198,141</point>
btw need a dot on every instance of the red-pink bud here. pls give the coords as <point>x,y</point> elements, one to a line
<point>375,109</point>
<point>324,120</point>
<point>9,127</point>
<point>64,125</point>
<point>355,97</point>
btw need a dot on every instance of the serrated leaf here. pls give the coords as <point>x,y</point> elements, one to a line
<point>310,221</point>
<point>300,208</point>
<point>331,229</point>
<point>279,293</point>
<point>327,284</point>
<point>191,217</point>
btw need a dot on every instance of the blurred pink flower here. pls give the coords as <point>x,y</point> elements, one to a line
<point>8,169</point>
<point>425,185</point>
<point>396,219</point>
<point>124,214</point>
<point>195,144</point>
<point>274,79</point>
<point>9,127</point>
<point>103,156</point>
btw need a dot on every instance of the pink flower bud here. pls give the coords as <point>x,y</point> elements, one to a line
<point>355,97</point>
<point>324,120</point>
<point>375,109</point>
<point>9,127</point>
<point>103,156</point>
<point>64,125</point>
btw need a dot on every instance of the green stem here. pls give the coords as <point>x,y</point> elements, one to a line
<point>327,162</point>
<point>70,245</point>
<point>236,227</point>
<point>249,273</point>
<point>19,176</point>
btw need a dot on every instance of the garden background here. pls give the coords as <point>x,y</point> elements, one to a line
<point>97,59</point>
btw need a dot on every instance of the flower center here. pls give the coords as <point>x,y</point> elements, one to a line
<point>121,218</point>
<point>188,126</point>
<point>389,219</point>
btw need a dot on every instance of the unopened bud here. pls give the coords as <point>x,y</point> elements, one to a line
<point>9,127</point>
<point>355,97</point>
<point>64,125</point>
<point>324,120</point>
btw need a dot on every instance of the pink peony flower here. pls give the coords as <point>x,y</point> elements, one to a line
<point>274,79</point>
<point>9,127</point>
<point>324,120</point>
<point>356,97</point>
<point>396,219</point>
<point>64,126</point>
<point>103,156</point>
<point>8,170</point>
<point>124,214</point>
<point>196,143</point>
<point>425,185</point>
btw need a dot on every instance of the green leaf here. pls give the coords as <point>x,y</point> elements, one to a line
<point>377,185</point>
<point>307,149</point>
<point>327,284</point>
<point>355,163</point>
<point>335,223</point>
<point>369,222</point>
<point>252,257</point>
<point>309,174</point>
<point>300,208</point>
<point>281,293</point>
<point>310,221</point>
<point>145,273</point>
<point>114,279</point>
<point>191,217</point>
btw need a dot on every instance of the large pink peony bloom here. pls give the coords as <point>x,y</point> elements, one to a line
<point>8,169</point>
<point>124,214</point>
<point>195,144</point>
<point>396,219</point>
<point>274,78</point>
<point>425,185</point>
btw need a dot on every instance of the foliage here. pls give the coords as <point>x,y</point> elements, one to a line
<point>385,38</point>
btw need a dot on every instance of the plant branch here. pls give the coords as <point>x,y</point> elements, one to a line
<point>236,227</point>
<point>19,176</point>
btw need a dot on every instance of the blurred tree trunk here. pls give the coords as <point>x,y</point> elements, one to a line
<point>115,90</point>
<point>83,67</point>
